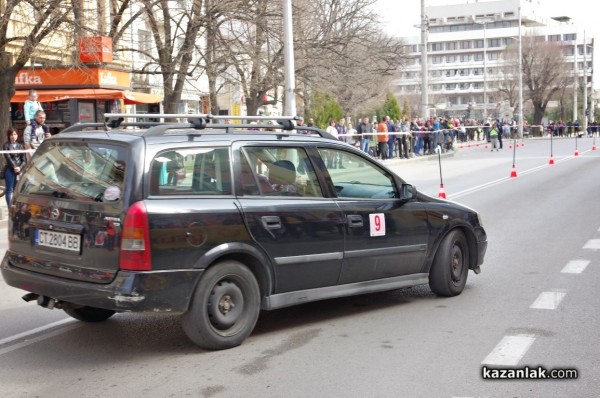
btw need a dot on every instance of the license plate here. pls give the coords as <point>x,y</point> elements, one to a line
<point>58,240</point>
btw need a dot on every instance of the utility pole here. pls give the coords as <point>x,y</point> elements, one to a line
<point>585,104</point>
<point>424,68</point>
<point>520,135</point>
<point>290,77</point>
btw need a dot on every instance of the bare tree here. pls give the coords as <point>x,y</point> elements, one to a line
<point>341,49</point>
<point>545,73</point>
<point>40,21</point>
<point>252,38</point>
<point>337,45</point>
<point>508,84</point>
<point>214,48</point>
<point>174,29</point>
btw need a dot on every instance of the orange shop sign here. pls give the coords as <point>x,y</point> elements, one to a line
<point>72,78</point>
<point>95,49</point>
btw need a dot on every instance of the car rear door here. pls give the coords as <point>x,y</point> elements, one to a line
<point>385,236</point>
<point>288,216</point>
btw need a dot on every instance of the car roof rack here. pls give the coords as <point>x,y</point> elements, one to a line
<point>156,126</point>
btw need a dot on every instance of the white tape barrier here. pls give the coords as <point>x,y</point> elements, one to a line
<point>19,151</point>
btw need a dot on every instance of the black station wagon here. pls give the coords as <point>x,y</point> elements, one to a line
<point>217,221</point>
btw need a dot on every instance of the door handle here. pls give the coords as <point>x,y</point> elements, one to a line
<point>271,222</point>
<point>354,221</point>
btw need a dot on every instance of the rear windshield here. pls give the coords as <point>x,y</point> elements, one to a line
<point>77,170</point>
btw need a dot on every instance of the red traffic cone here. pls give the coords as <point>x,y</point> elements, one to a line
<point>513,172</point>
<point>442,193</point>
<point>551,161</point>
<point>576,153</point>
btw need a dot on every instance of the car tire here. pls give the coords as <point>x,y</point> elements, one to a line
<point>224,308</point>
<point>450,268</point>
<point>89,314</point>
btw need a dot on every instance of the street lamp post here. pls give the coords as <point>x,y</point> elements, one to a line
<point>567,19</point>
<point>575,81</point>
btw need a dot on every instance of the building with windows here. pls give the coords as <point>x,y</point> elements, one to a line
<point>465,57</point>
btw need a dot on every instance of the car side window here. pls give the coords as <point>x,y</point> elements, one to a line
<point>356,177</point>
<point>191,171</point>
<point>278,171</point>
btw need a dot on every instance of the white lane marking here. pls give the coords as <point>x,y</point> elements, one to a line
<point>508,178</point>
<point>509,350</point>
<point>27,333</point>
<point>548,300</point>
<point>593,244</point>
<point>575,267</point>
<point>39,338</point>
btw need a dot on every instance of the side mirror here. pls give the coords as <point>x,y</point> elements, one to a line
<point>408,192</point>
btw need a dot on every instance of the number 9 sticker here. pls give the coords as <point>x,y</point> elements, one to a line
<point>377,222</point>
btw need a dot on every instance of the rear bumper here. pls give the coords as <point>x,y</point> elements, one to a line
<point>152,291</point>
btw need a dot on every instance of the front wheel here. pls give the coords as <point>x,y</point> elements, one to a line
<point>89,314</point>
<point>448,274</point>
<point>224,308</point>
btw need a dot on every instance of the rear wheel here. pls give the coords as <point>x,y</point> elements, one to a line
<point>224,308</point>
<point>450,268</point>
<point>89,314</point>
<point>2,188</point>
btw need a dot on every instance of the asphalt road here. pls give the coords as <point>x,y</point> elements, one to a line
<point>534,304</point>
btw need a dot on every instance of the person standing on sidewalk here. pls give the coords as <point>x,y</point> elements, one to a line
<point>494,137</point>
<point>36,132</point>
<point>382,139</point>
<point>31,106</point>
<point>15,162</point>
<point>391,137</point>
<point>364,133</point>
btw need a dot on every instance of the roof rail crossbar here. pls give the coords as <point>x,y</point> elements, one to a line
<point>81,127</point>
<point>200,120</point>
<point>197,121</point>
<point>283,122</point>
<point>163,128</point>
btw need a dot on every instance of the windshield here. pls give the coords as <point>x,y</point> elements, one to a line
<point>77,170</point>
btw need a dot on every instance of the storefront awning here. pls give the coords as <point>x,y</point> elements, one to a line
<point>130,97</point>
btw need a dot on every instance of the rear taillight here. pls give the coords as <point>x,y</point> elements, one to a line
<point>135,240</point>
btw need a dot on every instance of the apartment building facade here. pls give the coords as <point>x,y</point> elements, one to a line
<point>465,66</point>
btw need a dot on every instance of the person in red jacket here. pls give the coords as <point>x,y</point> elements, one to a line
<point>382,139</point>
